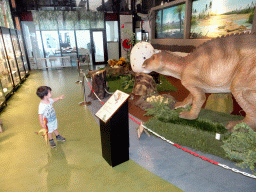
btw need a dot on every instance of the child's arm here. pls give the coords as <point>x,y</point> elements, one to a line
<point>41,120</point>
<point>58,98</point>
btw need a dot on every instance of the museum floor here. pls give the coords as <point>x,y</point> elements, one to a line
<point>27,164</point>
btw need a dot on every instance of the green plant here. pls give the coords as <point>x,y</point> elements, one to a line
<point>250,19</point>
<point>127,81</point>
<point>101,68</point>
<point>115,83</point>
<point>194,20</point>
<point>160,108</point>
<point>241,146</point>
<point>110,76</point>
<point>131,36</point>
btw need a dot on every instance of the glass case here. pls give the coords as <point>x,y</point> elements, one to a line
<point>17,53</point>
<point>5,72</point>
<point>2,95</point>
<point>23,52</point>
<point>10,55</point>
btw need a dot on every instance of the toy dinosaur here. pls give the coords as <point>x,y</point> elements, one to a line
<point>221,65</point>
<point>44,132</point>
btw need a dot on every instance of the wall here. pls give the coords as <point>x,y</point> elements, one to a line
<point>113,50</point>
<point>126,31</point>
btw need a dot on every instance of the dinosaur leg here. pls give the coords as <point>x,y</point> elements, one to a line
<point>184,103</point>
<point>198,99</point>
<point>246,100</point>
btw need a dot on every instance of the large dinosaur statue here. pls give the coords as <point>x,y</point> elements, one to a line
<point>221,65</point>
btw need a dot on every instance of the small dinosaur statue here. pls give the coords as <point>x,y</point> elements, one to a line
<point>44,132</point>
<point>221,65</point>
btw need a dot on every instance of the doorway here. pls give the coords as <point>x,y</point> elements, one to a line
<point>98,47</point>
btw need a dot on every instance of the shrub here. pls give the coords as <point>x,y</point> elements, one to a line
<point>127,81</point>
<point>241,146</point>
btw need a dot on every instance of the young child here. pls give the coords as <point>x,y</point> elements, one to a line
<point>47,111</point>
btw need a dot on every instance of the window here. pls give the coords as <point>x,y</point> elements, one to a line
<point>51,43</point>
<point>112,30</point>
<point>170,22</point>
<point>93,5</point>
<point>211,19</point>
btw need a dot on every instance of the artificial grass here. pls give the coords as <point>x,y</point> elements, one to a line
<point>207,121</point>
<point>116,84</point>
<point>165,85</point>
<point>198,134</point>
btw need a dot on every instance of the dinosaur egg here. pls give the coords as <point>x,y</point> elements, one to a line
<point>140,52</point>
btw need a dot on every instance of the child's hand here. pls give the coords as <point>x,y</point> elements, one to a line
<point>61,97</point>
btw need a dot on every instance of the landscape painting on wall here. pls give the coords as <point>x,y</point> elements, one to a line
<point>214,18</point>
<point>170,22</point>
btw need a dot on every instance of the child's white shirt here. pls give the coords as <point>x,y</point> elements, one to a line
<point>47,111</point>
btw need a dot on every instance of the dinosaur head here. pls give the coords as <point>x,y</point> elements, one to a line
<point>153,63</point>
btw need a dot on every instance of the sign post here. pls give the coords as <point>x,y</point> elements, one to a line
<point>114,129</point>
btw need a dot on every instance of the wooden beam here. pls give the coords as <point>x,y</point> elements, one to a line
<point>188,15</point>
<point>254,22</point>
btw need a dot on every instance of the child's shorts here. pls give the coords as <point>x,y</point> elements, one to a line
<point>52,126</point>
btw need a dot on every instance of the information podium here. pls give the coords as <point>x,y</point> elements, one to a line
<point>114,129</point>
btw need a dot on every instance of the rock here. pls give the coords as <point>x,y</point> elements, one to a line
<point>144,85</point>
<point>143,104</point>
<point>221,102</point>
<point>171,100</point>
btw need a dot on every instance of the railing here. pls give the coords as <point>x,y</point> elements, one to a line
<point>53,62</point>
<point>82,75</point>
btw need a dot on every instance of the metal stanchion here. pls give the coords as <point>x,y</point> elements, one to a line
<point>84,93</point>
<point>79,71</point>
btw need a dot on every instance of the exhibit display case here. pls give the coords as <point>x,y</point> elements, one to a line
<point>10,55</point>
<point>5,72</point>
<point>17,53</point>
<point>23,52</point>
<point>2,96</point>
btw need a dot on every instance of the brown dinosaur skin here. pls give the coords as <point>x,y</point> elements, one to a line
<point>221,65</point>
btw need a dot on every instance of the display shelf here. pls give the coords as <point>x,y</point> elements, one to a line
<point>17,53</point>
<point>5,72</point>
<point>10,56</point>
<point>2,95</point>
<point>13,70</point>
<point>23,52</point>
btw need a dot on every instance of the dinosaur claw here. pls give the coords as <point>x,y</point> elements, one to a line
<point>187,115</point>
<point>178,105</point>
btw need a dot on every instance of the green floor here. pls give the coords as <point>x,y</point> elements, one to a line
<point>27,164</point>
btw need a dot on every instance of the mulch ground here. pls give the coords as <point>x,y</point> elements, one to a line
<point>179,95</point>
